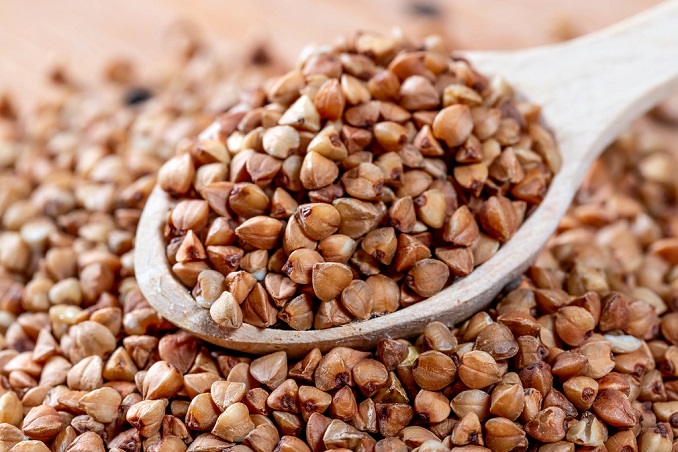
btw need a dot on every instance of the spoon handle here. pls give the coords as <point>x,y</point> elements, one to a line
<point>594,86</point>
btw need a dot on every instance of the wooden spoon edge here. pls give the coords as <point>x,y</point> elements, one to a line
<point>455,303</point>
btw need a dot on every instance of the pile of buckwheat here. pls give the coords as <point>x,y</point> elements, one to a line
<point>366,180</point>
<point>579,353</point>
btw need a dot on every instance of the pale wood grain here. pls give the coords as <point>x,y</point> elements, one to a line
<point>590,88</point>
<point>84,34</point>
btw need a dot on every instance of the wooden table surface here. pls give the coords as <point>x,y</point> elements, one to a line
<point>83,34</point>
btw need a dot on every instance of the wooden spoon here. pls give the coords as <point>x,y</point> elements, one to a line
<point>590,88</point>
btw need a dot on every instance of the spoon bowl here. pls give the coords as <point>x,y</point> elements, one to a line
<point>590,89</point>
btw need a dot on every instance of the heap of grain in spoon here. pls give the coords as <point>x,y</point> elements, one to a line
<point>367,179</point>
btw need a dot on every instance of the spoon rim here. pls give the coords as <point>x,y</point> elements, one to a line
<point>456,302</point>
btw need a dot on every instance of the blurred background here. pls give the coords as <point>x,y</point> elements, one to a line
<point>38,35</point>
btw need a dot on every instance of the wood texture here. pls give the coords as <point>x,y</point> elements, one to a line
<point>84,34</point>
<point>590,88</point>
